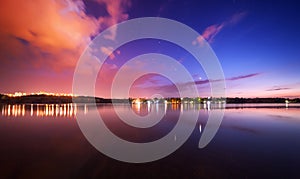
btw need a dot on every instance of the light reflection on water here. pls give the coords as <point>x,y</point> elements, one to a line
<point>71,109</point>
<point>40,110</point>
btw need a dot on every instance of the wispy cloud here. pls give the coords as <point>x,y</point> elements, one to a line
<point>116,10</point>
<point>211,31</point>
<point>108,51</point>
<point>236,18</point>
<point>199,82</point>
<point>171,88</point>
<point>278,89</point>
<point>163,7</point>
<point>243,76</point>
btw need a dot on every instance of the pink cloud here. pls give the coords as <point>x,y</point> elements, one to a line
<point>48,37</point>
<point>58,28</point>
<point>116,11</point>
<point>211,31</point>
<point>108,51</point>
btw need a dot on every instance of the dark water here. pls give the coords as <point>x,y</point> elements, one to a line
<point>254,141</point>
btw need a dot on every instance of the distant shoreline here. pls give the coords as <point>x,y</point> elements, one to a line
<point>49,99</point>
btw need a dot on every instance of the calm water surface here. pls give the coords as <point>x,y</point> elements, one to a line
<point>254,141</point>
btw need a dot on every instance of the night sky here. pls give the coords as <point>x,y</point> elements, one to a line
<point>256,42</point>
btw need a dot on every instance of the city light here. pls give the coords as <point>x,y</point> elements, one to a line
<point>20,94</point>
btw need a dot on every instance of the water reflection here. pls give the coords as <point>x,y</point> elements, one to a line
<point>254,141</point>
<point>71,109</point>
<point>13,110</point>
<point>40,110</point>
<point>146,108</point>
